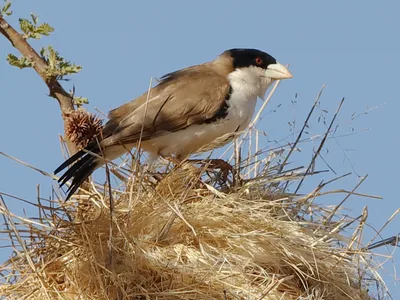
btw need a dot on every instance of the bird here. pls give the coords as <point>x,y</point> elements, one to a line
<point>191,110</point>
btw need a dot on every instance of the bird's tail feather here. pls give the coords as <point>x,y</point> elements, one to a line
<point>81,174</point>
<point>84,165</point>
<point>69,161</point>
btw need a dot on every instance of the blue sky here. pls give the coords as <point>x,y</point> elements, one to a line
<point>352,49</point>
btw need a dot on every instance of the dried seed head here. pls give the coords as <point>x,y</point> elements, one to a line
<point>81,127</point>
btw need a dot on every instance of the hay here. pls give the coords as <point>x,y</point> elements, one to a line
<point>191,233</point>
<point>182,238</point>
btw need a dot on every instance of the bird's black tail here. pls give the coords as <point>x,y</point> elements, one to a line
<point>84,164</point>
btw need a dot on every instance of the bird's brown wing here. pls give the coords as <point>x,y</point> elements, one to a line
<point>190,96</point>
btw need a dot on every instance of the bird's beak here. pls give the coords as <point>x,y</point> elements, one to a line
<point>277,71</point>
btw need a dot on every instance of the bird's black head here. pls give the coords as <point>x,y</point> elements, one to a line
<point>250,57</point>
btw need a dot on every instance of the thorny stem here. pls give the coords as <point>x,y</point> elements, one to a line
<point>64,99</point>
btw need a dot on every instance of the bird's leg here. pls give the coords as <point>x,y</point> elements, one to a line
<point>212,163</point>
<point>217,163</point>
<point>172,160</point>
<point>151,172</point>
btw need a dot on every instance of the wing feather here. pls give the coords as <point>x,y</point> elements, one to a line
<point>183,98</point>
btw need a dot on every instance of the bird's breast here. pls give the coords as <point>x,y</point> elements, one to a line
<point>241,109</point>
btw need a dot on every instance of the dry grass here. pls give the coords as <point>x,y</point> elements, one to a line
<point>191,234</point>
<point>183,238</point>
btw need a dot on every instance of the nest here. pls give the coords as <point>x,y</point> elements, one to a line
<point>187,234</point>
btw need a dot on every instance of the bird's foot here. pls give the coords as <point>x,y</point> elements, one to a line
<point>209,165</point>
<point>217,163</point>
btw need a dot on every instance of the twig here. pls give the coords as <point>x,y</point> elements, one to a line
<point>384,226</point>
<point>111,211</point>
<point>329,218</point>
<point>393,241</point>
<point>28,165</point>
<point>321,145</point>
<point>111,203</point>
<point>64,99</point>
<point>21,242</point>
<point>302,129</point>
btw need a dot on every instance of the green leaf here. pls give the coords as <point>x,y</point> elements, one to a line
<point>27,27</point>
<point>31,30</point>
<point>21,62</point>
<point>57,66</point>
<point>44,29</point>
<point>6,9</point>
<point>35,18</point>
<point>42,53</point>
<point>79,101</point>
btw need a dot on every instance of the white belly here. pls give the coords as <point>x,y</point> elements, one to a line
<point>203,137</point>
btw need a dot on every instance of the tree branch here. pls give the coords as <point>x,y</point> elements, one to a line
<point>65,100</point>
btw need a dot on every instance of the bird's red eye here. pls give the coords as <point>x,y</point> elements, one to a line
<point>259,61</point>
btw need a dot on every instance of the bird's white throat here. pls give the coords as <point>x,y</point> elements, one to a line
<point>250,82</point>
<point>247,85</point>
